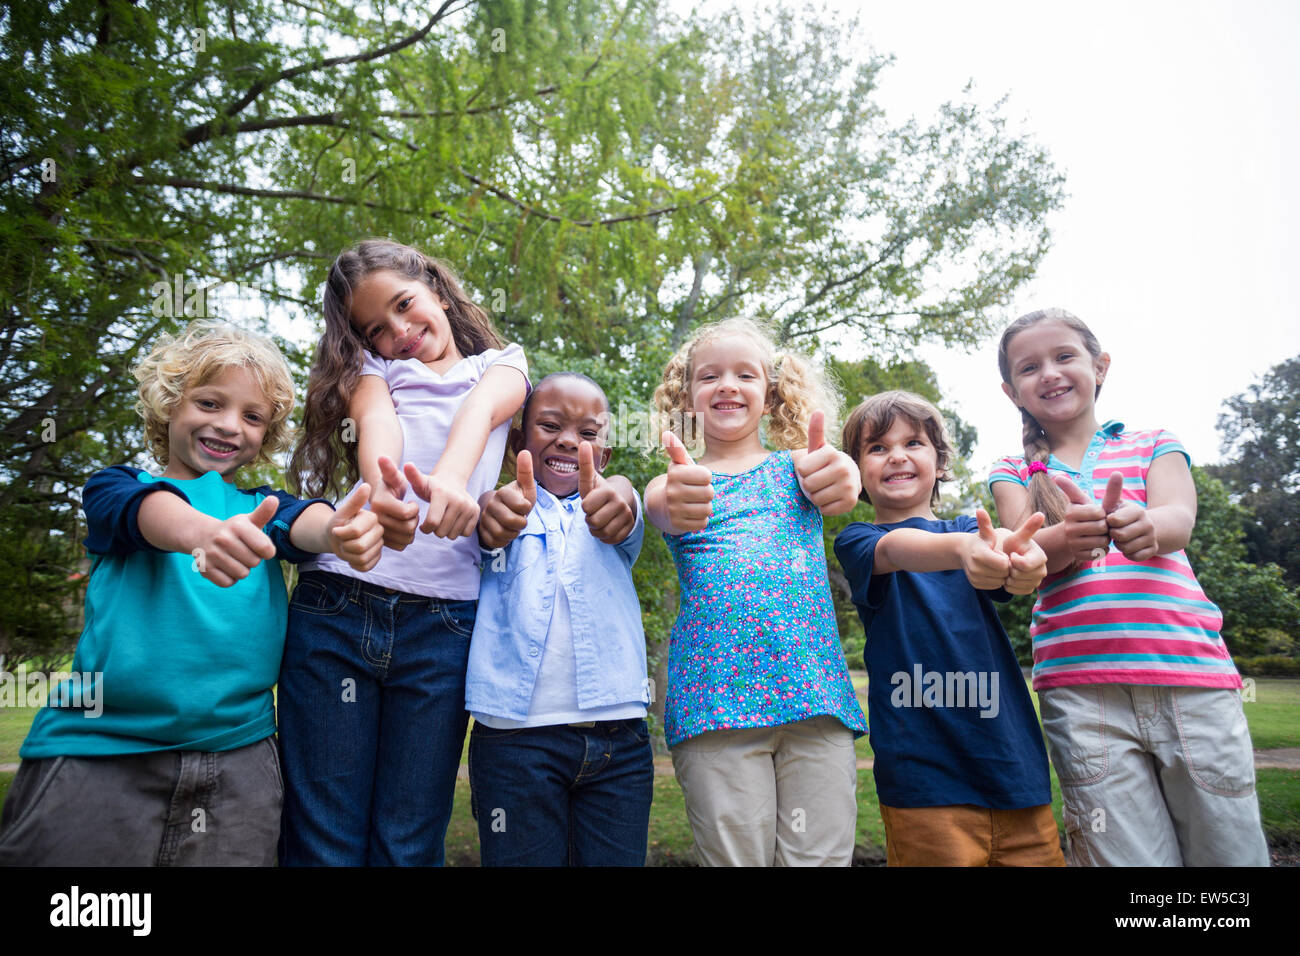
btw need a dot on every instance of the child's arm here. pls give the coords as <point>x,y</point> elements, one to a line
<point>829,478</point>
<point>224,551</point>
<point>678,501</point>
<point>453,512</point>
<point>609,503</point>
<point>1165,525</point>
<point>350,532</point>
<point>912,549</point>
<point>1075,538</point>
<point>379,444</point>
<point>505,511</point>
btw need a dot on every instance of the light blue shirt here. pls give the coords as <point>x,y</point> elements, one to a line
<point>517,605</point>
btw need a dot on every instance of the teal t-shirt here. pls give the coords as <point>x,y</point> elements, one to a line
<point>168,660</point>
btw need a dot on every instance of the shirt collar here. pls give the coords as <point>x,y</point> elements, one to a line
<point>1112,428</point>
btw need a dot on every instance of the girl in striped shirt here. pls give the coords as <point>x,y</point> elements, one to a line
<point>1139,696</point>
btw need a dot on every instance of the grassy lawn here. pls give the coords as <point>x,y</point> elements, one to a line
<point>1274,718</point>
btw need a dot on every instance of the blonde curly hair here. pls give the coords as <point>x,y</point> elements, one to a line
<point>797,386</point>
<point>198,354</point>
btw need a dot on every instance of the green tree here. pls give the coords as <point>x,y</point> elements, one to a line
<point>1261,441</point>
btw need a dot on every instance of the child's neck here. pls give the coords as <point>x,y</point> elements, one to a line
<point>734,456</point>
<point>1071,440</point>
<point>894,515</point>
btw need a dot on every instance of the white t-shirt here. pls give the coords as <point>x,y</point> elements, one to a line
<point>426,403</point>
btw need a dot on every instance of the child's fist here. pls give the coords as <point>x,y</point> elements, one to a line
<point>1086,533</point>
<point>688,490</point>
<point>227,550</point>
<point>355,534</point>
<point>609,516</point>
<point>1028,560</point>
<point>829,478</point>
<point>506,510</point>
<point>986,567</point>
<point>453,512</point>
<point>397,517</point>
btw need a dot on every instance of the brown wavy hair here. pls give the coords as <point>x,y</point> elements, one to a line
<point>323,463</point>
<point>876,416</point>
<point>1044,495</point>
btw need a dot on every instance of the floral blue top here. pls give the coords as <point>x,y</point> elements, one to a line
<point>755,643</point>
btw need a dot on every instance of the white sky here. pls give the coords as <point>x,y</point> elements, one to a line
<point>1178,128</point>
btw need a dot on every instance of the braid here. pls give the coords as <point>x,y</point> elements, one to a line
<point>1044,496</point>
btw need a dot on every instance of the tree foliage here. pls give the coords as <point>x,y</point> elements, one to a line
<point>605,177</point>
<point>1261,441</point>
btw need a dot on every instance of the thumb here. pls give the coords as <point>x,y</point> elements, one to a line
<point>816,430</point>
<point>676,450</point>
<point>586,470</point>
<point>985,524</point>
<point>1072,491</point>
<point>261,515</point>
<point>524,476</point>
<point>1114,486</point>
<point>1019,540</point>
<point>351,506</point>
<point>392,477</point>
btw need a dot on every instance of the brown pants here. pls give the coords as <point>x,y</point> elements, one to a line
<point>971,836</point>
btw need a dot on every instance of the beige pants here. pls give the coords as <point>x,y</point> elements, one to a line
<point>783,796</point>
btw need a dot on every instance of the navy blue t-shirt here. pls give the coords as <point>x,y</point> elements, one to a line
<point>951,719</point>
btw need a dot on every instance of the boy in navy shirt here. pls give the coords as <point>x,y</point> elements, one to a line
<point>960,767</point>
<point>167,755</point>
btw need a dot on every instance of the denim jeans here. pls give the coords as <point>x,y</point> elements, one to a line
<point>164,808</point>
<point>562,795</point>
<point>372,722</point>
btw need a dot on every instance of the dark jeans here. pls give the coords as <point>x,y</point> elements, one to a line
<point>167,808</point>
<point>562,795</point>
<point>372,722</point>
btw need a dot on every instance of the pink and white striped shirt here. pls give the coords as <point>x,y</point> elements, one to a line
<point>1119,621</point>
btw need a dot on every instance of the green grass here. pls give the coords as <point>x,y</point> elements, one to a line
<point>1279,804</point>
<point>1274,714</point>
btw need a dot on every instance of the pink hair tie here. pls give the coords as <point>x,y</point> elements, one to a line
<point>1035,467</point>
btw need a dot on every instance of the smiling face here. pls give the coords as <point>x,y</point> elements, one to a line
<point>1053,376</point>
<point>562,413</point>
<point>218,426</point>
<point>400,318</point>
<point>899,471</point>
<point>728,388</point>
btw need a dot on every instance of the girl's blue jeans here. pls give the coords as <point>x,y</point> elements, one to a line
<point>372,722</point>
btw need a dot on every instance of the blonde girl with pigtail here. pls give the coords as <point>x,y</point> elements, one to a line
<point>1139,696</point>
<point>760,712</point>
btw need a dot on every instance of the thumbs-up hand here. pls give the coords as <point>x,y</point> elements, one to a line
<point>1130,526</point>
<point>397,517</point>
<point>688,490</point>
<point>829,478</point>
<point>505,511</point>
<point>1028,560</point>
<point>1086,533</point>
<point>609,515</point>
<point>355,534</point>
<point>453,512</point>
<point>227,550</point>
<point>986,567</point>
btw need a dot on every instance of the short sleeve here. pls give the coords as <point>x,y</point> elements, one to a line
<point>372,364</point>
<point>855,548</point>
<point>512,356</point>
<point>111,501</point>
<point>1009,469</point>
<point>1166,443</point>
<point>290,510</point>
